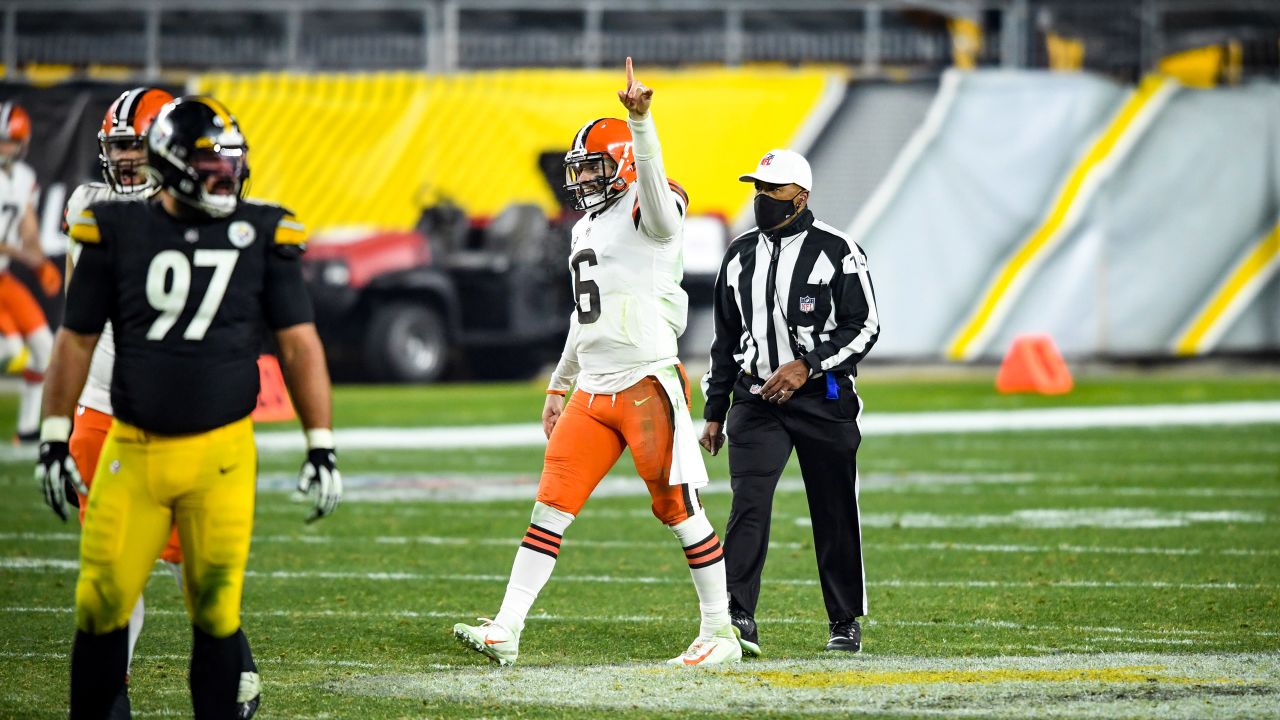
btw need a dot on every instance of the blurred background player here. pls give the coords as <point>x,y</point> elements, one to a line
<point>631,391</point>
<point>24,322</point>
<point>188,280</point>
<point>125,176</point>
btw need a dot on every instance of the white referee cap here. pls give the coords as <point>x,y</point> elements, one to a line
<point>782,167</point>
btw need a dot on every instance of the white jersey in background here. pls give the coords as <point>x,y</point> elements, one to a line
<point>18,190</point>
<point>97,389</point>
<point>626,263</point>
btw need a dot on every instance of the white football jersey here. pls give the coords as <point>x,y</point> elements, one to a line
<point>97,388</point>
<point>626,264</point>
<point>18,191</point>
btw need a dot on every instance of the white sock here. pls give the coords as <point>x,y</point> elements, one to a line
<point>535,560</point>
<point>40,344</point>
<point>10,347</point>
<point>29,403</point>
<point>135,628</point>
<point>706,565</point>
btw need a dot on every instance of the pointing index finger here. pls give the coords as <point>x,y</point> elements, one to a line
<point>631,74</point>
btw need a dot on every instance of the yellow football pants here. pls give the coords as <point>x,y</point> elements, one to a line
<point>204,484</point>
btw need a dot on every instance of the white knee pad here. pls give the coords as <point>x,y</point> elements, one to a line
<point>693,529</point>
<point>549,518</point>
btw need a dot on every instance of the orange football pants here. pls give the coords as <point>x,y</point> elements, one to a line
<point>590,437</point>
<point>87,435</point>
<point>17,302</point>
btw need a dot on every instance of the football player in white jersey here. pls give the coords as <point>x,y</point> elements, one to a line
<point>24,321</point>
<point>122,156</point>
<point>631,392</point>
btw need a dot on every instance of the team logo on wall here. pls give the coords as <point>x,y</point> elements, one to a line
<point>241,234</point>
<point>807,304</point>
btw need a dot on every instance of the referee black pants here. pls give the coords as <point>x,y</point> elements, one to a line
<point>825,435</point>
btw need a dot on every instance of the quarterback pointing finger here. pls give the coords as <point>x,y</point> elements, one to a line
<point>631,391</point>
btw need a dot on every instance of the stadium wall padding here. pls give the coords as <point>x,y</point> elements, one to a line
<point>370,149</point>
<point>983,167</point>
<point>1173,222</point>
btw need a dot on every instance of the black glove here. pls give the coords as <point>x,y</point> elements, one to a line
<point>58,476</point>
<point>320,475</point>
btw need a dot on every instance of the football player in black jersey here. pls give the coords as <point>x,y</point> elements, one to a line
<point>189,280</point>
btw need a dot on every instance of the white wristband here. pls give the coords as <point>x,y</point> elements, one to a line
<point>55,428</point>
<point>320,438</point>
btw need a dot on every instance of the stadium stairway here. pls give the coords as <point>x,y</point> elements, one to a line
<point>856,149</point>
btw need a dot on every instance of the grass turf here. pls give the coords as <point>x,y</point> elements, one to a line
<point>977,546</point>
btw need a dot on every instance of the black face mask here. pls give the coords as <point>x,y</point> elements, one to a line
<point>771,212</point>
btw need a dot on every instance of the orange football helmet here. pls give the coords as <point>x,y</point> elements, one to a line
<point>602,163</point>
<point>15,126</point>
<point>123,129</point>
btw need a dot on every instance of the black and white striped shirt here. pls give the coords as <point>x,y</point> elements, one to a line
<point>803,292</point>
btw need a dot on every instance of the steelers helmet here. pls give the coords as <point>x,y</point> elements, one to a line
<point>196,148</point>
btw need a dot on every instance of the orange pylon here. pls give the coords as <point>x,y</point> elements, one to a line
<point>273,397</point>
<point>1034,365</point>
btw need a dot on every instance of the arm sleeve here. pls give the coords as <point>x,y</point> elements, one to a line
<point>717,384</point>
<point>661,211</point>
<point>857,322</point>
<point>566,372</point>
<point>285,300</point>
<point>90,293</point>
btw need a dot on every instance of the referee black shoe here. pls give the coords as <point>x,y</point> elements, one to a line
<point>846,636</point>
<point>744,628</point>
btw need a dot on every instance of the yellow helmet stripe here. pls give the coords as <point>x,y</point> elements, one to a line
<point>220,110</point>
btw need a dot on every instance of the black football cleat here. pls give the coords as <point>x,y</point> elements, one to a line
<point>846,636</point>
<point>121,709</point>
<point>744,628</point>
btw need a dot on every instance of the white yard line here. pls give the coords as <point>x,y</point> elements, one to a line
<point>915,423</point>
<point>464,614</point>
<point>63,565</point>
<point>531,435</point>
<point>1132,518</point>
<point>514,541</point>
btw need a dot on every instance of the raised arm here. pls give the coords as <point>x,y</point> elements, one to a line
<point>661,206</point>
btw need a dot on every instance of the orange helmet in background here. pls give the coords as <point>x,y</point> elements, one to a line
<point>15,126</point>
<point>602,163</point>
<point>123,128</point>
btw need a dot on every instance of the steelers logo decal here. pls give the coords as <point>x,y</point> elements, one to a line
<point>241,234</point>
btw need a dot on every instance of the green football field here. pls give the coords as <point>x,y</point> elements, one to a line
<point>1093,572</point>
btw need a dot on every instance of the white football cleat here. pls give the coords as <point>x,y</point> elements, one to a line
<point>719,649</point>
<point>496,642</point>
<point>248,695</point>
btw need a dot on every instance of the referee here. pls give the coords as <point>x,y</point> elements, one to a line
<point>794,313</point>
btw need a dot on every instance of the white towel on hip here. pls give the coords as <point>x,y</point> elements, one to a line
<point>686,456</point>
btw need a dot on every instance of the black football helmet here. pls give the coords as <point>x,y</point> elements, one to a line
<point>196,148</point>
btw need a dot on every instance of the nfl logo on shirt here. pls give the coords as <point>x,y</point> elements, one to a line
<point>807,304</point>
